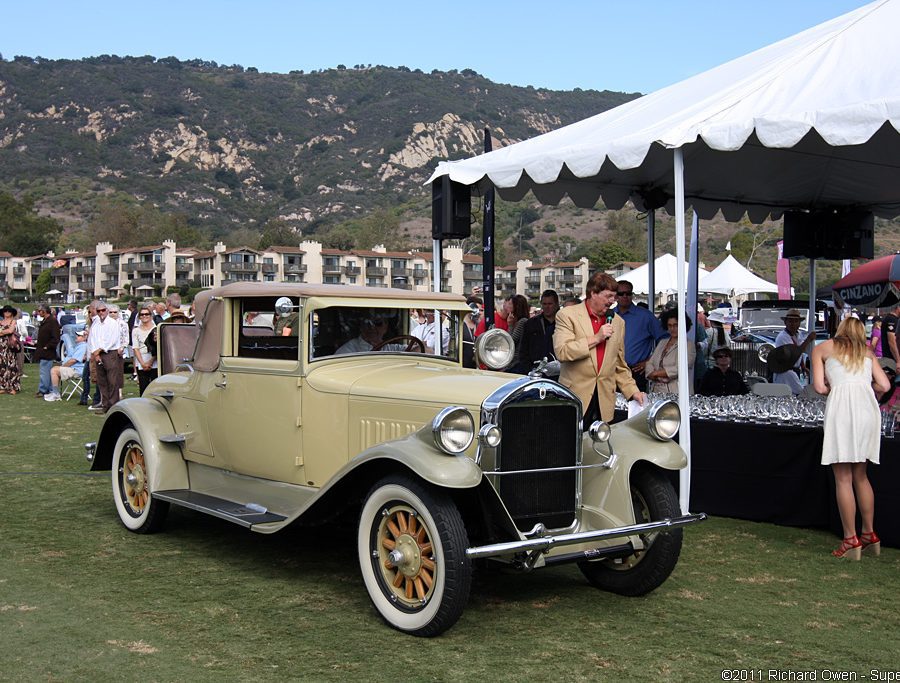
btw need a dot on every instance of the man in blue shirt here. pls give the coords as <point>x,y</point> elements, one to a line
<point>72,367</point>
<point>642,332</point>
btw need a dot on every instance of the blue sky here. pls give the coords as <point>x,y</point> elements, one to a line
<point>633,46</point>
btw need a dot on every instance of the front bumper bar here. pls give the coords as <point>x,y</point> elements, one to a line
<point>545,543</point>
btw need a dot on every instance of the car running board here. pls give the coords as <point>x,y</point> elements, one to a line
<point>244,514</point>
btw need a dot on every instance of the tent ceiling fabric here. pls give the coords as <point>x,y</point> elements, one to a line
<point>810,121</point>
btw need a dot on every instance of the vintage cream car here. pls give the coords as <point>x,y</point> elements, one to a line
<point>290,402</point>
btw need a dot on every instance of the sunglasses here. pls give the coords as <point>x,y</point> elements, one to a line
<point>624,293</point>
<point>143,315</point>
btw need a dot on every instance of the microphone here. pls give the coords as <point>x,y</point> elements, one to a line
<point>609,317</point>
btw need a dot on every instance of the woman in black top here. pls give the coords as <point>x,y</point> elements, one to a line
<point>721,380</point>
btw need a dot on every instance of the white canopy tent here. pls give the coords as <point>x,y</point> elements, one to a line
<point>666,275</point>
<point>809,122</point>
<point>732,279</point>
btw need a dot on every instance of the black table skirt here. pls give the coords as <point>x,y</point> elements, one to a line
<point>769,473</point>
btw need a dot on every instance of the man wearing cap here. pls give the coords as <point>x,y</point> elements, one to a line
<point>72,366</point>
<point>790,336</point>
<point>642,332</point>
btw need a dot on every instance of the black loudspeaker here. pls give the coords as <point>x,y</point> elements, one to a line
<point>451,209</point>
<point>829,234</point>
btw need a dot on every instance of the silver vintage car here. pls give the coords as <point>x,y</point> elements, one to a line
<point>287,403</point>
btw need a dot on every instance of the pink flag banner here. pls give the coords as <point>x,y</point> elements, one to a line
<point>783,273</point>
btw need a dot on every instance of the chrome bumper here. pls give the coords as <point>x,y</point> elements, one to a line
<point>545,543</point>
<point>89,449</point>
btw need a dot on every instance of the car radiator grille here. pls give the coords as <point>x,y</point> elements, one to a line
<point>538,436</point>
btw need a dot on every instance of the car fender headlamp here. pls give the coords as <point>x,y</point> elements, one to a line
<point>599,432</point>
<point>453,430</point>
<point>489,435</point>
<point>495,349</point>
<point>664,419</point>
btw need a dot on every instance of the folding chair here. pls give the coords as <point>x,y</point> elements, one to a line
<point>72,387</point>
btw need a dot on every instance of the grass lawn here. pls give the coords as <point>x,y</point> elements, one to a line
<point>81,598</point>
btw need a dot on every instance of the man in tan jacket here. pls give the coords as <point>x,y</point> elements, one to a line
<point>589,342</point>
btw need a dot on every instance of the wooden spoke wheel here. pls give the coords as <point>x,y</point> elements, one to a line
<point>137,508</point>
<point>412,553</point>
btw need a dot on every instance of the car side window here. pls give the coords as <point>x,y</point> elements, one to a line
<point>262,333</point>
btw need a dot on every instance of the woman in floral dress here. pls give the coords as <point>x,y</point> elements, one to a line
<point>10,374</point>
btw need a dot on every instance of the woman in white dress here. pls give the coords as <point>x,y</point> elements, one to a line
<point>847,371</point>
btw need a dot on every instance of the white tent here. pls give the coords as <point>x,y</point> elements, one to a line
<point>732,279</point>
<point>666,275</point>
<point>812,121</point>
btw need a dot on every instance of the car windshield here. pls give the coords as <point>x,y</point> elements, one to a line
<point>343,330</point>
<point>767,317</point>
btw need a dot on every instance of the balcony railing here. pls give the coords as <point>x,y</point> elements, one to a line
<point>420,273</point>
<point>472,275</point>
<point>533,280</point>
<point>352,270</point>
<point>295,268</point>
<point>110,268</point>
<point>570,279</point>
<point>148,267</point>
<point>184,267</point>
<point>2,270</point>
<point>18,271</point>
<point>333,269</point>
<point>109,284</point>
<point>82,270</point>
<point>376,271</point>
<point>233,267</point>
<point>270,267</point>
<point>401,272</point>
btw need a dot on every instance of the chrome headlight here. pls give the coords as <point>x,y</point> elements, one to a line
<point>489,435</point>
<point>453,429</point>
<point>664,419</point>
<point>599,432</point>
<point>495,349</point>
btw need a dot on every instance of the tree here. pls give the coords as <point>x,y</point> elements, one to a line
<point>277,232</point>
<point>22,231</point>
<point>42,283</point>
<point>750,238</point>
<point>604,254</point>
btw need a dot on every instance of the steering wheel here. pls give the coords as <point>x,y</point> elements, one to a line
<point>411,343</point>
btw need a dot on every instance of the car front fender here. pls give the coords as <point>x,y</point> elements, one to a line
<point>167,468</point>
<point>607,492</point>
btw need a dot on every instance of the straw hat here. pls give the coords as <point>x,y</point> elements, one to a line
<point>783,358</point>
<point>793,313</point>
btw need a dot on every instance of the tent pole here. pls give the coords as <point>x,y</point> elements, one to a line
<point>651,259</point>
<point>684,434</point>
<point>693,278</point>
<point>812,297</point>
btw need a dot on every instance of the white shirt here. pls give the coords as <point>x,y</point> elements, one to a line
<point>104,334</point>
<point>425,332</point>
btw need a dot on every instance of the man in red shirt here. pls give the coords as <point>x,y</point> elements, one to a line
<point>589,342</point>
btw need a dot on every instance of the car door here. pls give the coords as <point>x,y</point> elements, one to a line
<point>254,405</point>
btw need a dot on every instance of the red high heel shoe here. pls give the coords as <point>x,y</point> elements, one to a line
<point>850,548</point>
<point>871,544</point>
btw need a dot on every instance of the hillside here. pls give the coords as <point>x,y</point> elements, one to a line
<point>233,146</point>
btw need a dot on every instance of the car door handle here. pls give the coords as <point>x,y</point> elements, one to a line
<point>223,383</point>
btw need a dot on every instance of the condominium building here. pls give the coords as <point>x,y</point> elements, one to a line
<point>152,270</point>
